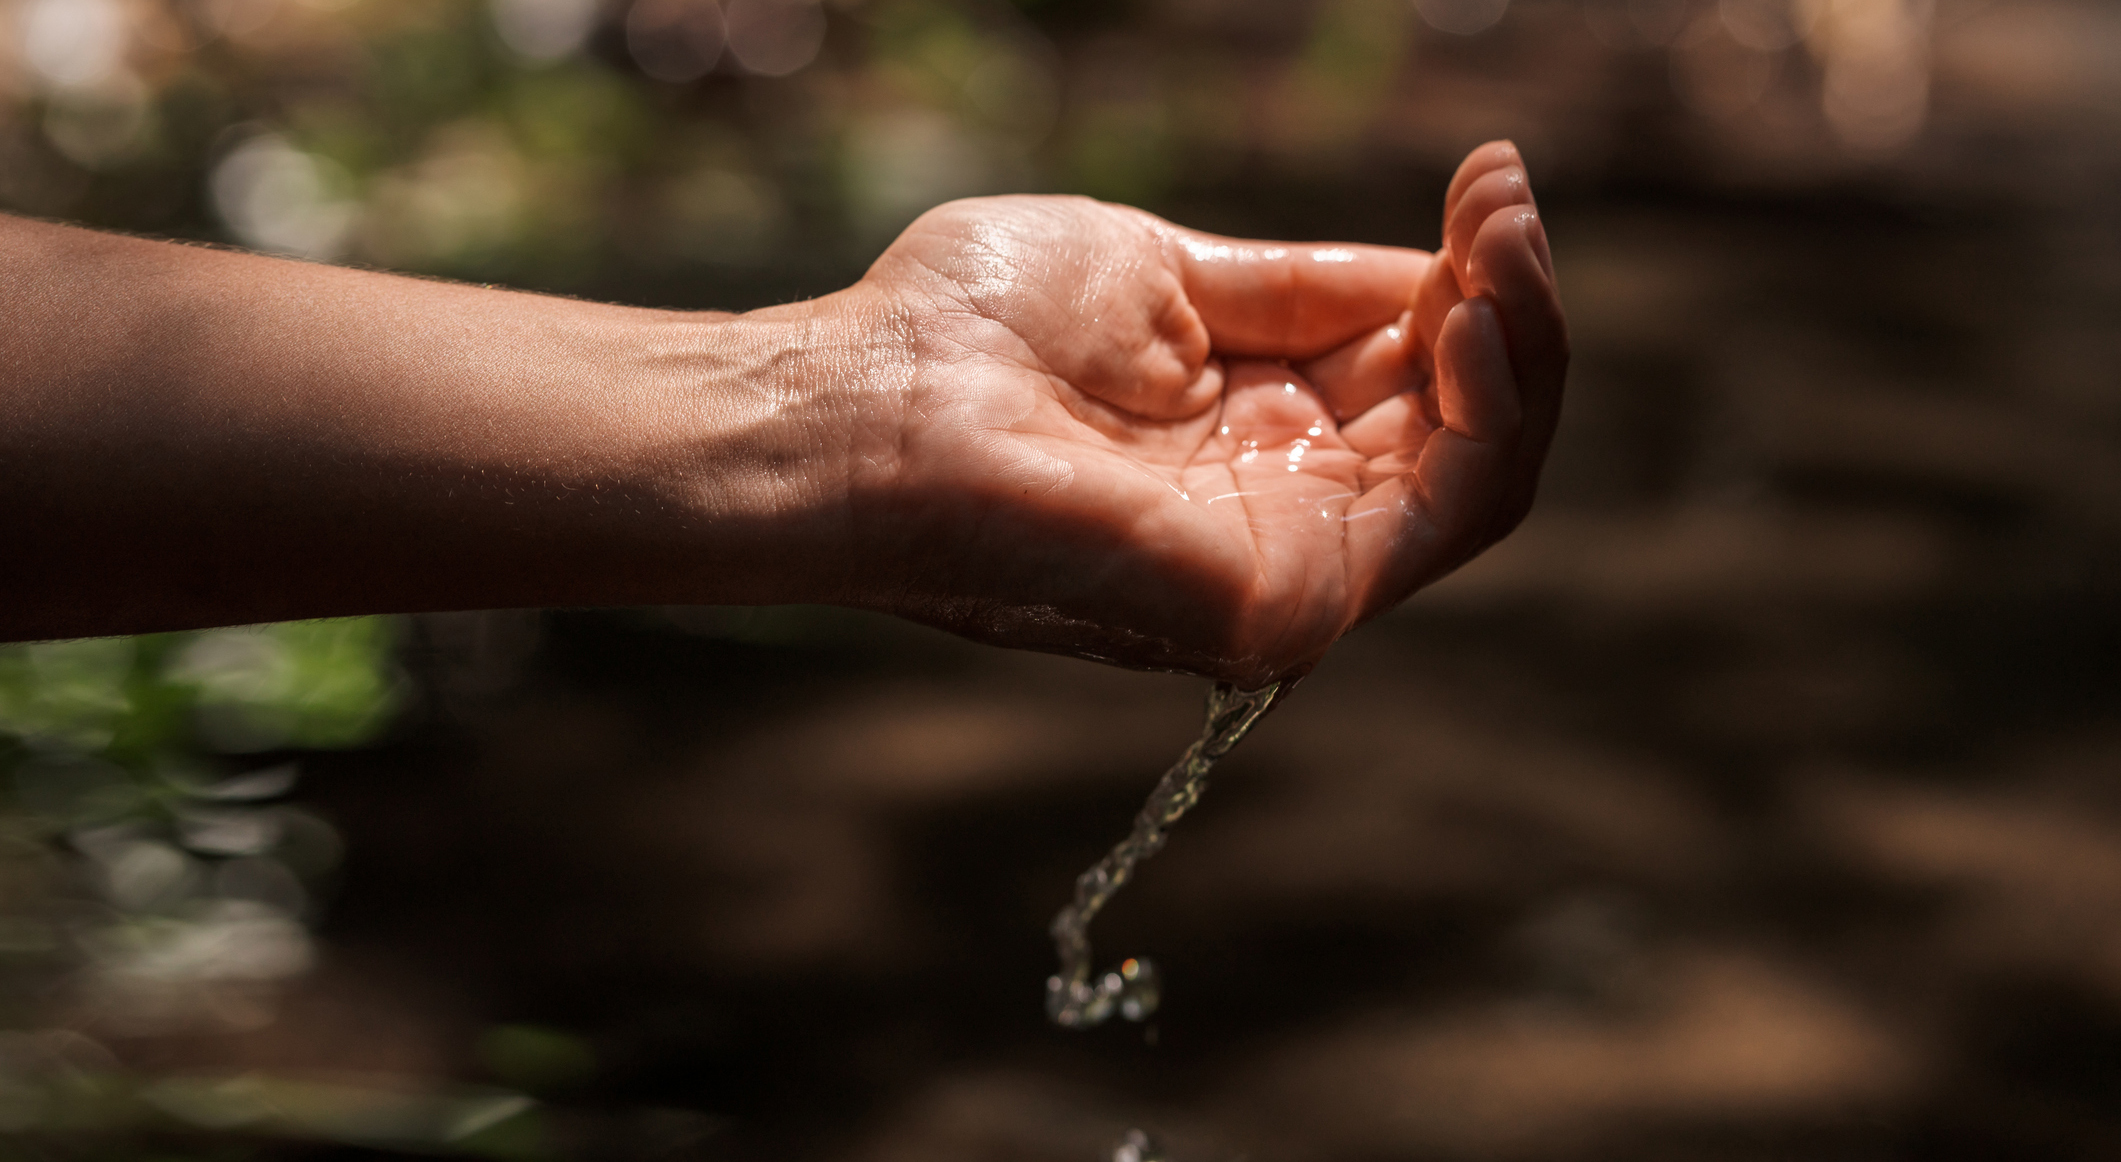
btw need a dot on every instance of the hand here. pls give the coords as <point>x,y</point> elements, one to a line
<point>1043,422</point>
<point>1121,439</point>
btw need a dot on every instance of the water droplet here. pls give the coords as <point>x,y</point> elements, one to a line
<point>1135,988</point>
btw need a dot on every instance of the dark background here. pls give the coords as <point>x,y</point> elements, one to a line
<point>1756,800</point>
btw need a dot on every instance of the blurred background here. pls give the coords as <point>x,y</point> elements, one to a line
<point>1756,800</point>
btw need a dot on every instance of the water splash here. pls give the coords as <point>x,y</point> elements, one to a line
<point>1073,1000</point>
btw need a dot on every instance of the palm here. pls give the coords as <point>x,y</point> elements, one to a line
<point>1196,454</point>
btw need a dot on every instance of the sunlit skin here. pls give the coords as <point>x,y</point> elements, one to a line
<point>1042,422</point>
<point>1130,440</point>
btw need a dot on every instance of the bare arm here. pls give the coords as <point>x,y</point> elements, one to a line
<point>197,437</point>
<point>1043,422</point>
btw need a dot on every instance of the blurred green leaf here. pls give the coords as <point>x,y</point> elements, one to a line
<point>578,111</point>
<point>320,684</point>
<point>1121,151</point>
<point>66,695</point>
<point>536,1058</point>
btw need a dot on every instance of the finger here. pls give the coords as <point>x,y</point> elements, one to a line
<point>1441,288</point>
<point>1361,374</point>
<point>1292,301</point>
<point>1505,268</point>
<point>1478,163</point>
<point>1383,433</point>
<point>1492,191</point>
<point>1416,527</point>
<point>1476,390</point>
<point>1433,299</point>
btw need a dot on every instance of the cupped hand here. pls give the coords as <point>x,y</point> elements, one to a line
<point>1122,439</point>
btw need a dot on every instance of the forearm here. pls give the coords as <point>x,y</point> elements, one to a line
<point>195,437</point>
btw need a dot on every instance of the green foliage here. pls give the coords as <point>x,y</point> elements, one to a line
<point>536,1058</point>
<point>124,738</point>
<point>1341,81</point>
<point>116,746</point>
<point>307,684</point>
<point>424,74</point>
<point>577,110</point>
<point>72,696</point>
<point>1121,151</point>
<point>152,702</point>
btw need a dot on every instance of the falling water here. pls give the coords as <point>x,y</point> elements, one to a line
<point>1073,1000</point>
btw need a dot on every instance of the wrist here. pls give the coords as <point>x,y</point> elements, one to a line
<point>772,432</point>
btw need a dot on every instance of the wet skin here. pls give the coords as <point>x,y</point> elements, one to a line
<point>1042,422</point>
<point>1123,439</point>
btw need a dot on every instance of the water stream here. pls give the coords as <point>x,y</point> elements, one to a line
<point>1073,999</point>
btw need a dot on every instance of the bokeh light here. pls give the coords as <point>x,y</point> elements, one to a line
<point>277,198</point>
<point>775,37</point>
<point>545,30</point>
<point>73,43</point>
<point>675,40</point>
